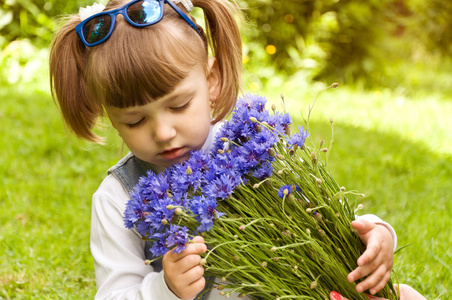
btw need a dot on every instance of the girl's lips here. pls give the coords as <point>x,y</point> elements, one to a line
<point>173,153</point>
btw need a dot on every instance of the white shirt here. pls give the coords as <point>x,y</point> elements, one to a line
<point>118,252</point>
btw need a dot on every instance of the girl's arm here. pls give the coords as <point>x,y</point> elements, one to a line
<point>119,252</point>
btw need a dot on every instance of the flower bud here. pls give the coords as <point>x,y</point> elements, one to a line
<point>147,262</point>
<point>281,157</point>
<point>313,156</point>
<point>235,257</point>
<point>264,264</point>
<point>253,119</point>
<point>280,172</point>
<point>342,189</point>
<point>325,150</point>
<point>322,232</point>
<point>313,285</point>
<point>242,227</point>
<point>220,287</point>
<point>335,85</point>
<point>308,231</point>
<point>189,171</point>
<point>318,217</point>
<point>164,221</point>
<point>255,186</point>
<point>331,120</point>
<point>321,142</point>
<point>273,107</point>
<point>203,262</point>
<point>286,192</point>
<point>224,139</point>
<point>170,207</point>
<point>318,180</point>
<point>178,211</point>
<point>220,151</point>
<point>271,152</point>
<point>258,128</point>
<point>291,152</point>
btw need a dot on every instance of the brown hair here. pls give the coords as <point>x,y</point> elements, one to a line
<point>138,65</point>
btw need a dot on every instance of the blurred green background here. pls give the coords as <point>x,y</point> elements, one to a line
<point>392,122</point>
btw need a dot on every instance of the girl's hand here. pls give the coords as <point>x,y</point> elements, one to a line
<point>376,262</point>
<point>183,272</point>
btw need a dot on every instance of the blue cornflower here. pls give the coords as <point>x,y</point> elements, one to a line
<point>154,185</point>
<point>263,171</point>
<point>158,246</point>
<point>221,187</point>
<point>161,214</point>
<point>178,236</point>
<point>136,209</point>
<point>285,190</point>
<point>205,211</point>
<point>297,138</point>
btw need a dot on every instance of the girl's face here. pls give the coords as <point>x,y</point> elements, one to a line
<point>163,132</point>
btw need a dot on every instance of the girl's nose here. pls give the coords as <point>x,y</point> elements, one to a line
<point>164,132</point>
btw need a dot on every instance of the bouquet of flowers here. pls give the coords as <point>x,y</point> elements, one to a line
<point>276,222</point>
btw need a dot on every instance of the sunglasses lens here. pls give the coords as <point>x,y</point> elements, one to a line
<point>96,29</point>
<point>144,12</point>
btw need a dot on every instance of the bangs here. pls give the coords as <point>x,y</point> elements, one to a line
<point>139,65</point>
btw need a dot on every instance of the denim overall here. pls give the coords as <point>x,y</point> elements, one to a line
<point>128,171</point>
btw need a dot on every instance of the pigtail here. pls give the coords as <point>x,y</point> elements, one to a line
<point>223,37</point>
<point>68,84</point>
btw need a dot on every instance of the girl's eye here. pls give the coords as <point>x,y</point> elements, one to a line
<point>135,124</point>
<point>181,108</point>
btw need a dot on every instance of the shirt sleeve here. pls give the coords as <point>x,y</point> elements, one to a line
<point>377,220</point>
<point>118,252</point>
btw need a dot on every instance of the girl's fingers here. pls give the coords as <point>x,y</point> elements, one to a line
<point>375,282</point>
<point>192,248</point>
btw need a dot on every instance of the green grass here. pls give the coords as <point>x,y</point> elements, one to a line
<point>395,149</point>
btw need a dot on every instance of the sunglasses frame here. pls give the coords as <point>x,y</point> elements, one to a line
<point>123,11</point>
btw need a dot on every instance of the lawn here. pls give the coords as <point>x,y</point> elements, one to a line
<point>393,146</point>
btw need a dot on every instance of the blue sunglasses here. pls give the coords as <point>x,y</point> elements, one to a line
<point>98,28</point>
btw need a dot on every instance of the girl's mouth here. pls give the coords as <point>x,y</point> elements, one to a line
<point>173,153</point>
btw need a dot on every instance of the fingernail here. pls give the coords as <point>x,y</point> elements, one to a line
<point>336,295</point>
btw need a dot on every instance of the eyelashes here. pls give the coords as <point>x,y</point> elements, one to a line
<point>183,107</point>
<point>175,109</point>
<point>136,124</point>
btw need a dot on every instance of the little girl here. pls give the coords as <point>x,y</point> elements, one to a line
<point>146,65</point>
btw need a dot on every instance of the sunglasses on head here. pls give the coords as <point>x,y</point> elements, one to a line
<point>98,28</point>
